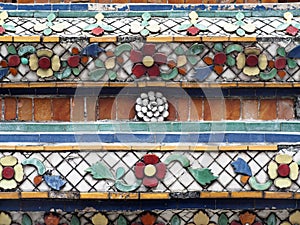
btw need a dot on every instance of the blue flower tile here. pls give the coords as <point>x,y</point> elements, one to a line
<point>7,6</point>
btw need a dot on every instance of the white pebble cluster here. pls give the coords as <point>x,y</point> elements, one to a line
<point>151,107</point>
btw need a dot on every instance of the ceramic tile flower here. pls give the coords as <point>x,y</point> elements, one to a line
<point>294,219</point>
<point>251,61</point>
<point>44,62</point>
<point>151,170</point>
<point>146,27</point>
<point>51,218</point>
<point>283,170</point>
<point>49,26</point>
<point>246,219</point>
<point>147,61</point>
<point>193,27</point>
<point>11,172</point>
<point>289,26</point>
<point>240,27</point>
<point>99,27</point>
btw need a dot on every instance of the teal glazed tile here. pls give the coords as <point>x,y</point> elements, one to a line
<point>42,14</point>
<point>135,126</point>
<point>290,127</point>
<point>264,126</point>
<point>191,127</point>
<point>235,126</point>
<point>105,127</point>
<point>74,14</point>
<point>20,14</point>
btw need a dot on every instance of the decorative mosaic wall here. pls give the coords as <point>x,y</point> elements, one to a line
<point>149,114</point>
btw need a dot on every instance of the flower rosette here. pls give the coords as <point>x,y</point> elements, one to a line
<point>44,62</point>
<point>252,61</point>
<point>147,61</point>
<point>151,107</point>
<point>11,172</point>
<point>283,170</point>
<point>150,170</point>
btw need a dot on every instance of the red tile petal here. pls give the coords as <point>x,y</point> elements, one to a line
<point>13,60</point>
<point>136,56</point>
<point>139,170</point>
<point>139,70</point>
<point>150,159</point>
<point>150,182</point>
<point>160,58</point>
<point>292,30</point>
<point>2,30</point>
<point>193,31</point>
<point>161,170</point>
<point>97,31</point>
<point>153,71</point>
<point>73,61</point>
<point>148,49</point>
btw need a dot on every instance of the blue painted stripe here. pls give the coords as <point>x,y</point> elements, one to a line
<point>172,204</point>
<point>202,137</point>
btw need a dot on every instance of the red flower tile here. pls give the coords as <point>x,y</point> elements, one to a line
<point>283,170</point>
<point>150,159</point>
<point>73,61</point>
<point>98,31</point>
<point>153,71</point>
<point>139,170</point>
<point>150,182</point>
<point>160,58</point>
<point>150,170</point>
<point>2,30</point>
<point>252,60</point>
<point>220,58</point>
<point>292,30</point>
<point>161,170</point>
<point>13,60</point>
<point>280,63</point>
<point>148,49</point>
<point>193,31</point>
<point>139,70</point>
<point>136,56</point>
<point>44,63</point>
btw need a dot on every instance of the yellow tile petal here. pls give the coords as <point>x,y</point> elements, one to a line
<point>44,52</point>
<point>99,219</point>
<point>55,63</point>
<point>8,184</point>
<point>294,171</point>
<point>8,161</point>
<point>282,182</point>
<point>272,170</point>
<point>283,158</point>
<point>44,73</point>
<point>19,173</point>
<point>33,62</point>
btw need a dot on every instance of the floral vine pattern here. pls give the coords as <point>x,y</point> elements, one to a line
<point>151,218</point>
<point>149,172</point>
<point>282,170</point>
<point>127,62</point>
